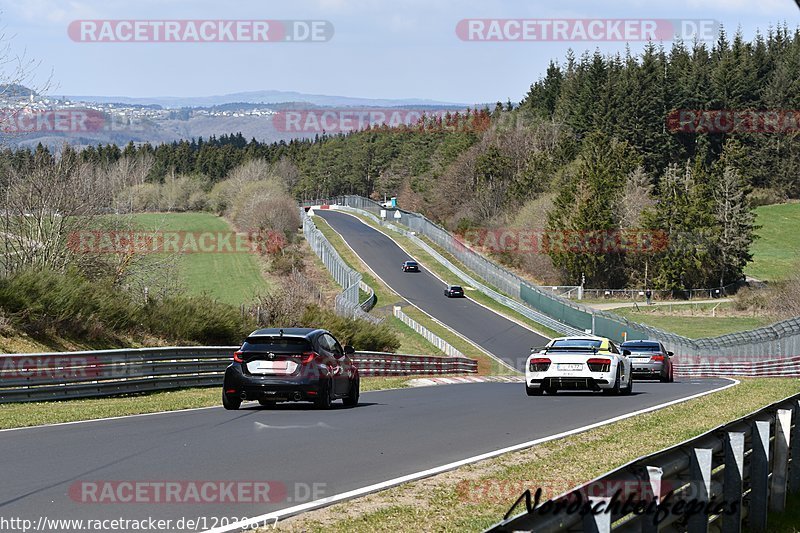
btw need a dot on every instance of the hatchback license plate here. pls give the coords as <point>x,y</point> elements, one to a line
<point>570,367</point>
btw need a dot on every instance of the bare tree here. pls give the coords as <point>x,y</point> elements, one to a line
<point>735,222</point>
<point>45,206</point>
<point>637,197</point>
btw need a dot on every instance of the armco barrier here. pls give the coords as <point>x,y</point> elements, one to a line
<point>726,478</point>
<point>778,340</point>
<point>346,303</point>
<point>430,336</point>
<point>61,376</point>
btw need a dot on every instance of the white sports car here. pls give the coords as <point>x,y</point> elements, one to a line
<point>579,363</point>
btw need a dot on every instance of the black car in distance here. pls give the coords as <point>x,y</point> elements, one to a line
<point>454,291</point>
<point>410,266</point>
<point>291,364</point>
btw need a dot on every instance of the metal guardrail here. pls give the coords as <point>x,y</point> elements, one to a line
<point>67,375</point>
<point>347,302</point>
<point>370,301</point>
<point>778,340</point>
<point>430,336</point>
<point>732,475</point>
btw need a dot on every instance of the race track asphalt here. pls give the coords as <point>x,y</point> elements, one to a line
<point>393,433</point>
<point>499,336</point>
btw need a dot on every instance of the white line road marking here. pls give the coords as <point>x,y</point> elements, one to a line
<point>309,506</point>
<point>260,426</point>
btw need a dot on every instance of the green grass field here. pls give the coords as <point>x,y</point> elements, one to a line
<point>776,253</point>
<point>697,326</point>
<point>231,277</point>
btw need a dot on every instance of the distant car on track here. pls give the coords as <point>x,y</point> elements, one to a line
<point>579,363</point>
<point>291,364</point>
<point>454,291</point>
<point>650,359</point>
<point>410,266</point>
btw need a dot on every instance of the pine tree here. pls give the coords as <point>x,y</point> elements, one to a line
<point>586,212</point>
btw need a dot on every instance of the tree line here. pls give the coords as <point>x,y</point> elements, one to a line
<point>588,148</point>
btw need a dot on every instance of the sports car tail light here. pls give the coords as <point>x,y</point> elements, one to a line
<point>539,364</point>
<point>308,357</point>
<point>237,357</point>
<point>657,358</point>
<point>599,365</point>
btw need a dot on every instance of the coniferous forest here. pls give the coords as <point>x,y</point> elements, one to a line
<point>588,148</point>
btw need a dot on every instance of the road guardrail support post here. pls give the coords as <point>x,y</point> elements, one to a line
<point>600,522</point>
<point>759,476</point>
<point>780,464</point>
<point>732,483</point>
<point>794,468</point>
<point>654,475</point>
<point>700,472</point>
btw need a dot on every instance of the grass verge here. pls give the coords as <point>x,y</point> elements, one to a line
<point>16,415</point>
<point>789,520</point>
<point>693,326</point>
<point>476,496</point>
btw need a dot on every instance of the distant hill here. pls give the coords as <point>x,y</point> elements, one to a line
<point>16,90</point>
<point>265,97</point>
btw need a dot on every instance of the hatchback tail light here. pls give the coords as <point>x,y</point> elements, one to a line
<point>308,357</point>
<point>599,365</point>
<point>237,357</point>
<point>539,364</point>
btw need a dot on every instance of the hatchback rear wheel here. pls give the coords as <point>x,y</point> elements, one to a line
<point>324,397</point>
<point>229,403</point>
<point>351,400</point>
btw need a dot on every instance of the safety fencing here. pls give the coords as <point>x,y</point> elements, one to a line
<point>67,375</point>
<point>722,480</point>
<point>431,337</point>
<point>371,299</point>
<point>777,341</point>
<point>347,303</point>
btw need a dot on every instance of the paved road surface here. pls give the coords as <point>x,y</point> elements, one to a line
<point>393,433</point>
<point>498,335</point>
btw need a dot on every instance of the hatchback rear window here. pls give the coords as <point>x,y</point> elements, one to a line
<point>276,344</point>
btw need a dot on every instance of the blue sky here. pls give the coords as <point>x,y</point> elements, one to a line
<point>381,49</point>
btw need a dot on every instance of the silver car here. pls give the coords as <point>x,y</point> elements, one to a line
<point>650,359</point>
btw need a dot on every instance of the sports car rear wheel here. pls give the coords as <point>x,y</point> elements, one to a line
<point>615,389</point>
<point>629,389</point>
